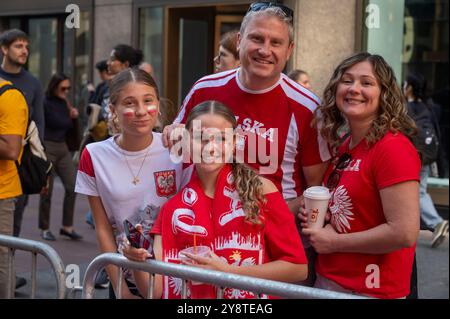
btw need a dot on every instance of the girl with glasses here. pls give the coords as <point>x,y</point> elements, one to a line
<point>229,208</point>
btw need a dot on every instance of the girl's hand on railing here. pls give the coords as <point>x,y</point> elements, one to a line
<point>135,254</point>
<point>213,262</point>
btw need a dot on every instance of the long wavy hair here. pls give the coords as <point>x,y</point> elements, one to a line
<point>392,112</point>
<point>247,181</point>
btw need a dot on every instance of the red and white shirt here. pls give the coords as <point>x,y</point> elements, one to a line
<point>103,171</point>
<point>277,118</point>
<point>219,223</point>
<point>356,206</point>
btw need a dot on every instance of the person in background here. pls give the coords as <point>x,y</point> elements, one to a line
<point>14,46</point>
<point>228,56</point>
<point>58,121</point>
<point>414,89</point>
<point>147,67</point>
<point>97,93</point>
<point>301,77</point>
<point>122,57</point>
<point>13,126</point>
<point>374,180</point>
<point>266,242</point>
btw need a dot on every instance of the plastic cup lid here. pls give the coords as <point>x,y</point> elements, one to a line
<point>317,192</point>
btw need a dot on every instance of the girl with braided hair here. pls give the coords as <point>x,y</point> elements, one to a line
<point>226,206</point>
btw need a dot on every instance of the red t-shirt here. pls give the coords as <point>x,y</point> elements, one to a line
<point>219,223</point>
<point>356,206</point>
<point>278,119</point>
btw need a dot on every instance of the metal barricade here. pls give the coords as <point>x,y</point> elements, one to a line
<point>216,278</point>
<point>35,247</point>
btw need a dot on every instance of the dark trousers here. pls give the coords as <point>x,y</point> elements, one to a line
<point>131,286</point>
<point>21,203</point>
<point>59,155</point>
<point>414,293</point>
<point>6,228</point>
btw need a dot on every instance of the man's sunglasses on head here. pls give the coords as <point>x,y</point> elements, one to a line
<point>257,6</point>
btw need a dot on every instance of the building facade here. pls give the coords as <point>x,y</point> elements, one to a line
<point>180,38</point>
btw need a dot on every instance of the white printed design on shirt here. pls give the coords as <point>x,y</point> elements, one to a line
<point>235,207</point>
<point>172,283</point>
<point>340,208</point>
<point>237,241</point>
<point>179,225</point>
<point>238,244</point>
<point>236,259</point>
<point>258,128</point>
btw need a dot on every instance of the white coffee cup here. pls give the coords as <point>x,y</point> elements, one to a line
<point>316,205</point>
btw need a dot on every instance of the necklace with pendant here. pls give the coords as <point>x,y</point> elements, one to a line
<point>136,179</point>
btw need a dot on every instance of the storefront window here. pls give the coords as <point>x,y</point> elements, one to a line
<point>413,36</point>
<point>426,43</point>
<point>77,63</point>
<point>384,31</point>
<point>56,48</point>
<point>43,51</point>
<point>150,40</point>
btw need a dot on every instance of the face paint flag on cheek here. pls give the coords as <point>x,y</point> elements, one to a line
<point>128,112</point>
<point>152,109</point>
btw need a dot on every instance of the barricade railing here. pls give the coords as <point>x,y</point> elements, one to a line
<point>35,248</point>
<point>187,273</point>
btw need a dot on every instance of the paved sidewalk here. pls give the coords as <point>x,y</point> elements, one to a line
<point>433,264</point>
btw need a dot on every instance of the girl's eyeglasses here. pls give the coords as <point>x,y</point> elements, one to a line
<point>333,180</point>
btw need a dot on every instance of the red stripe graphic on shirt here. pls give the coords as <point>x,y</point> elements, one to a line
<point>204,82</point>
<point>213,78</point>
<point>299,91</point>
<point>85,165</point>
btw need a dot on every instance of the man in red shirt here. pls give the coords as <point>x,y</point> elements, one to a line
<point>272,111</point>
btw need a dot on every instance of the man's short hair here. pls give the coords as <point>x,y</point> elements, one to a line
<point>102,66</point>
<point>12,35</point>
<point>269,11</point>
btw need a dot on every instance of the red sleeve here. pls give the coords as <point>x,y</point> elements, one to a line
<point>281,235</point>
<point>186,107</point>
<point>85,164</point>
<point>314,149</point>
<point>395,160</point>
<point>157,226</point>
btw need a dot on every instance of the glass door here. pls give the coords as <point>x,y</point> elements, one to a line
<point>189,51</point>
<point>43,60</point>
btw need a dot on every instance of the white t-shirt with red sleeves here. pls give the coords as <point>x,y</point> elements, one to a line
<point>277,120</point>
<point>103,171</point>
<point>356,206</point>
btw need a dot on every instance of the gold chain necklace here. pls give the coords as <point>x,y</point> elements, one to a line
<point>136,179</point>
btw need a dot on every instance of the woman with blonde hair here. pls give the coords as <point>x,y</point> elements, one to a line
<point>226,206</point>
<point>368,246</point>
